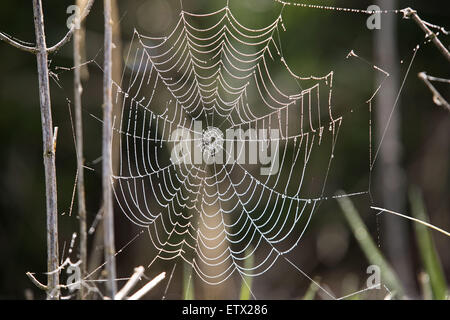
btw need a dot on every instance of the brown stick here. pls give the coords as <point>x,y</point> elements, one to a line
<point>16,44</point>
<point>437,97</point>
<point>78,89</point>
<point>108,218</point>
<point>56,47</point>
<point>410,13</point>
<point>49,153</point>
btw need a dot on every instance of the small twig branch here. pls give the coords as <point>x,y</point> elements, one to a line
<point>138,272</point>
<point>17,44</point>
<point>56,47</point>
<point>437,97</point>
<point>410,13</point>
<point>57,271</point>
<point>55,138</point>
<point>436,79</point>
<point>36,281</point>
<point>429,225</point>
<point>108,218</point>
<point>143,291</point>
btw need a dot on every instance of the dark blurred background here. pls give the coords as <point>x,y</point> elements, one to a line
<point>416,150</point>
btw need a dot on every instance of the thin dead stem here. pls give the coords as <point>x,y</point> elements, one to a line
<point>429,225</point>
<point>410,13</point>
<point>49,144</point>
<point>78,90</point>
<point>35,49</point>
<point>108,218</point>
<point>145,289</point>
<point>437,97</point>
<point>138,272</point>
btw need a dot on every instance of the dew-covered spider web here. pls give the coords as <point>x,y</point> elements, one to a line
<point>254,144</point>
<point>209,75</point>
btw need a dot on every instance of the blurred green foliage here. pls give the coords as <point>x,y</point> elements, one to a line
<point>432,279</point>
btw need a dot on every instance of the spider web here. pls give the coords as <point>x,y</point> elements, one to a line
<point>214,70</point>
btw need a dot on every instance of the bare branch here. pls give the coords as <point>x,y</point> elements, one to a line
<point>36,281</point>
<point>71,31</point>
<point>143,291</point>
<point>437,97</point>
<point>16,44</point>
<point>138,272</point>
<point>49,145</point>
<point>108,218</point>
<point>57,46</point>
<point>410,13</point>
<point>78,90</point>
<point>429,225</point>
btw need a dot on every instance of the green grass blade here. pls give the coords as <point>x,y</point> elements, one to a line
<point>427,248</point>
<point>188,283</point>
<point>373,254</point>
<point>246,285</point>
<point>312,290</point>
